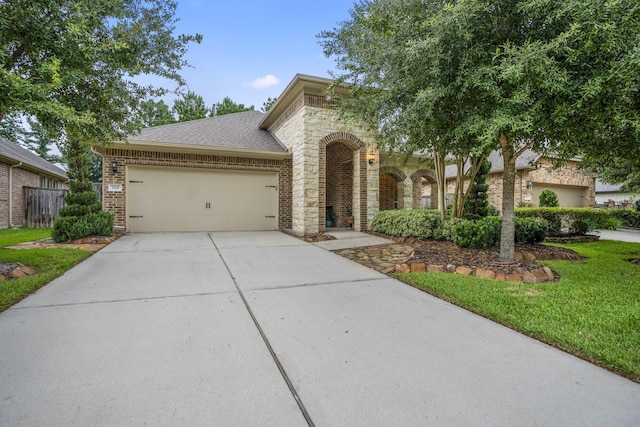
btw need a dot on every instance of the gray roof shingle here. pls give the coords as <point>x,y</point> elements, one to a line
<point>17,153</point>
<point>237,131</point>
<point>605,187</point>
<point>497,164</point>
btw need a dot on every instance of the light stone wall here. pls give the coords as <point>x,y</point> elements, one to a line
<point>407,168</point>
<point>304,192</point>
<point>302,134</point>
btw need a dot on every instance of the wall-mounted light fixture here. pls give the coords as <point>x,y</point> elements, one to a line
<point>529,185</point>
<point>114,165</point>
<point>372,156</point>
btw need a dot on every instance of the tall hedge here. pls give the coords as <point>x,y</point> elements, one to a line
<point>569,220</point>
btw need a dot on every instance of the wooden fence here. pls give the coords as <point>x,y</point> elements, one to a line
<point>42,205</point>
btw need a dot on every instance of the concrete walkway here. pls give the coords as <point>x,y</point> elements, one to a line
<point>263,329</point>
<point>345,239</point>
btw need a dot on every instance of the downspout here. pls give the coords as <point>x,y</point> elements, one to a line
<point>11,194</point>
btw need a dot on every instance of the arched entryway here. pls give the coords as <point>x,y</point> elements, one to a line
<point>421,179</point>
<point>342,181</point>
<point>391,188</point>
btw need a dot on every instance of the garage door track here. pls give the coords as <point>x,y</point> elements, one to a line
<point>260,328</point>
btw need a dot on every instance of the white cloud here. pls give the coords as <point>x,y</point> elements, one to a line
<point>264,82</point>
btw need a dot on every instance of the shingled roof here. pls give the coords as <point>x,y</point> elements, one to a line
<point>524,161</point>
<point>237,131</point>
<point>13,152</point>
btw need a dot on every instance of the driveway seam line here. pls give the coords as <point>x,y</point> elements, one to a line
<point>305,285</point>
<point>203,294</point>
<point>275,358</point>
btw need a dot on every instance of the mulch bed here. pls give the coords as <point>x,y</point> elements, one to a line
<point>450,257</point>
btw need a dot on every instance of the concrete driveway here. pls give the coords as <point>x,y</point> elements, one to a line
<point>229,329</point>
<point>623,235</point>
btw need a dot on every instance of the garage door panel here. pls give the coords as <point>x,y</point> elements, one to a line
<point>568,196</point>
<point>180,199</point>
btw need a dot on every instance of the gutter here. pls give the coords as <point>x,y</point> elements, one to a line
<point>11,225</point>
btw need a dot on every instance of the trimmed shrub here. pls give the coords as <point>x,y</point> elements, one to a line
<point>477,202</point>
<point>636,206</point>
<point>480,234</point>
<point>531,230</point>
<point>565,218</point>
<point>82,216</point>
<point>548,199</point>
<point>77,227</point>
<point>628,218</point>
<point>580,227</point>
<point>424,224</point>
<point>485,232</point>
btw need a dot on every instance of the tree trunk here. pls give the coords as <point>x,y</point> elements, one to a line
<point>441,181</point>
<point>507,238</point>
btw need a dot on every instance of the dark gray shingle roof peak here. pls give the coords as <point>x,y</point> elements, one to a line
<point>524,161</point>
<point>18,154</point>
<point>237,131</point>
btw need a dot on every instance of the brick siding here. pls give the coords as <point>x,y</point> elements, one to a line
<point>21,178</point>
<point>339,180</point>
<point>388,192</point>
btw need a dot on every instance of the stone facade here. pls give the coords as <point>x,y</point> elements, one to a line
<point>316,137</point>
<point>115,202</point>
<point>401,183</point>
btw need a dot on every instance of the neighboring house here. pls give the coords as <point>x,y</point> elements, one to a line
<point>534,173</point>
<point>20,168</point>
<point>610,195</point>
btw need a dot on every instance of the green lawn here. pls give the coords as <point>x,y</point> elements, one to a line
<point>593,311</point>
<point>48,263</point>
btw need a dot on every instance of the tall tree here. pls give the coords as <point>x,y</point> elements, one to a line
<point>190,107</point>
<point>503,74</point>
<point>266,105</point>
<point>393,92</point>
<point>72,65</point>
<point>70,62</point>
<point>625,171</point>
<point>227,106</point>
<point>11,127</point>
<point>154,113</point>
<point>38,141</point>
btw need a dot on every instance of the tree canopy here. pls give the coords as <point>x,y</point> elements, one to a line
<point>73,64</point>
<point>473,76</point>
<point>190,107</point>
<point>266,105</point>
<point>154,113</point>
<point>227,106</point>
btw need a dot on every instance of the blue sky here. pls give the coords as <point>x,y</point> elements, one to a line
<point>252,49</point>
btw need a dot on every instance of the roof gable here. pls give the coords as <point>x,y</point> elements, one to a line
<point>13,151</point>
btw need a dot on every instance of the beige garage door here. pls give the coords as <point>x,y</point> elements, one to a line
<point>183,199</point>
<point>568,197</point>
